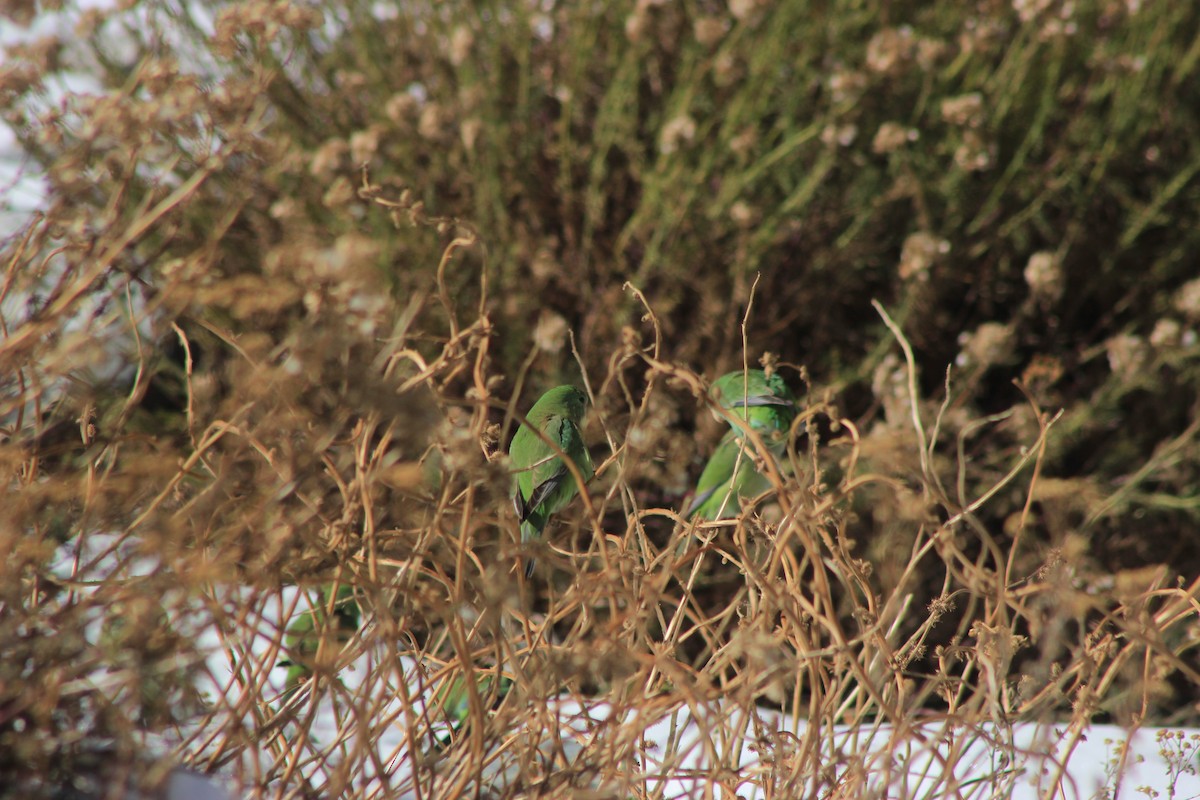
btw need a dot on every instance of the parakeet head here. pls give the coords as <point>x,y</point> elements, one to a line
<point>750,389</point>
<point>564,401</point>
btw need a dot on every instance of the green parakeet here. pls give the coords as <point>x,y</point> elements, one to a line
<point>768,407</point>
<point>721,488</point>
<point>544,484</point>
<point>765,403</point>
<point>305,634</point>
<point>453,702</point>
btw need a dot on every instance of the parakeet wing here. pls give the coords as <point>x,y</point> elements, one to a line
<point>717,475</point>
<point>731,471</point>
<point>543,490</point>
<point>701,498</point>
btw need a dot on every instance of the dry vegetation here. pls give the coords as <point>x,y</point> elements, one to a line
<point>298,269</point>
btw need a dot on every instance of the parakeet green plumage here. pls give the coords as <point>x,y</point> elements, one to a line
<point>726,480</point>
<point>452,705</point>
<point>304,635</point>
<point>765,403</point>
<point>543,482</point>
<point>452,700</point>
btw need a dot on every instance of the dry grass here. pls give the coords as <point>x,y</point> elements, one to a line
<point>233,364</point>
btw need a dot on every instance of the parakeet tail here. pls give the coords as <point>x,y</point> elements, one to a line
<point>529,532</point>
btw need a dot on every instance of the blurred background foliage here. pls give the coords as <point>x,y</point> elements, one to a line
<point>1015,182</point>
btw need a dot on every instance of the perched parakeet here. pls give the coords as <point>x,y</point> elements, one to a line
<point>768,407</point>
<point>304,635</point>
<point>726,480</point>
<point>544,484</point>
<point>765,403</point>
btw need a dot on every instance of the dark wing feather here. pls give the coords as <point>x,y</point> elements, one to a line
<point>700,499</point>
<point>765,400</point>
<point>542,491</point>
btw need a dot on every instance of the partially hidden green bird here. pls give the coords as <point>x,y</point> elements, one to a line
<point>543,482</point>
<point>306,633</point>
<point>731,474</point>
